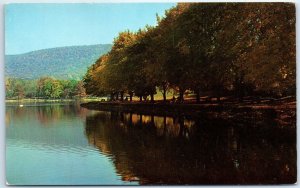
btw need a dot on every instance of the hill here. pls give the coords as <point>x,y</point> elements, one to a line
<point>61,63</point>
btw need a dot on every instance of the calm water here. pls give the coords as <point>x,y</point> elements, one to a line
<point>63,144</point>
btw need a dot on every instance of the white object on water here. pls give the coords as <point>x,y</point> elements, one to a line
<point>21,105</point>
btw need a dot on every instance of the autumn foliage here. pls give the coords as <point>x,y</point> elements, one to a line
<point>216,49</point>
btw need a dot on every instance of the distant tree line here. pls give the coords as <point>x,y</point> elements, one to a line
<point>43,88</point>
<point>216,49</point>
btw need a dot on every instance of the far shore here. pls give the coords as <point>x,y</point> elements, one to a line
<point>32,100</point>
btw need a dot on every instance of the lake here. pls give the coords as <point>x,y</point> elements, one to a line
<point>64,144</point>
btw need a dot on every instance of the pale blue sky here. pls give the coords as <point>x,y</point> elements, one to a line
<point>30,27</point>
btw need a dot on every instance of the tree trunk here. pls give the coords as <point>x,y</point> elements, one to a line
<point>111,96</point>
<point>130,97</point>
<point>165,94</point>
<point>122,95</point>
<point>240,86</point>
<point>181,93</point>
<point>198,95</point>
<point>141,98</point>
<point>117,96</point>
<point>152,97</point>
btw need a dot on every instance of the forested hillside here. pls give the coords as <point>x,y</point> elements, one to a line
<point>61,63</point>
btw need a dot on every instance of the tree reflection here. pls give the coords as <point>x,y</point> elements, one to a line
<point>182,150</point>
<point>46,114</point>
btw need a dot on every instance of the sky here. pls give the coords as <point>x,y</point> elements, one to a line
<point>30,27</point>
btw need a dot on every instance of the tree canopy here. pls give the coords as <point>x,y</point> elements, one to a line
<point>217,48</point>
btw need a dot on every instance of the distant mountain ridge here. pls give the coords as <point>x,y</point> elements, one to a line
<point>69,62</point>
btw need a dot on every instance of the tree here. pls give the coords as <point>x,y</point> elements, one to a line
<point>176,66</point>
<point>15,88</point>
<point>80,90</point>
<point>69,87</point>
<point>94,80</point>
<point>49,88</point>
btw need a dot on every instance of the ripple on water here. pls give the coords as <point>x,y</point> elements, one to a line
<point>51,148</point>
<point>33,163</point>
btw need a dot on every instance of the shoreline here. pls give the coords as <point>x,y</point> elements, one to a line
<point>177,107</point>
<point>48,100</point>
<point>284,113</point>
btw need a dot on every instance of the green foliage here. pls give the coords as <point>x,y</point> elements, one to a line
<point>50,88</point>
<point>45,87</point>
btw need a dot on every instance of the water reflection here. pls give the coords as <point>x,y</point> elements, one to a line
<point>64,144</point>
<point>187,150</point>
<point>46,145</point>
<point>46,114</point>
